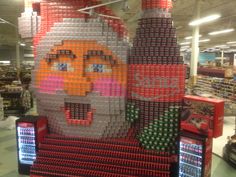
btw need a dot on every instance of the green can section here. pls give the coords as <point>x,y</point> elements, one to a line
<point>161,135</point>
<point>132,112</point>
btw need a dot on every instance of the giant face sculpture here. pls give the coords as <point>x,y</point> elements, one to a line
<point>81,83</point>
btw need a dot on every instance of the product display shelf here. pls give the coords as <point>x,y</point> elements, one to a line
<point>212,72</point>
<point>223,88</point>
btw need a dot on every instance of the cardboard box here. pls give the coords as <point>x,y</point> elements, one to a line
<point>203,116</point>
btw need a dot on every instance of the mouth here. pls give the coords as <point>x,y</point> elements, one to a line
<point>78,113</point>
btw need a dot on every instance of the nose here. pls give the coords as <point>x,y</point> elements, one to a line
<point>78,86</point>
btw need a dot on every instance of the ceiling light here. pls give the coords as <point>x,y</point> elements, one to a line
<point>5,62</point>
<point>221,32</point>
<point>204,40</point>
<point>2,20</point>
<point>184,47</point>
<point>204,20</point>
<point>231,42</point>
<point>22,44</point>
<point>185,43</point>
<point>220,46</point>
<point>231,50</point>
<point>190,37</point>
<point>227,47</point>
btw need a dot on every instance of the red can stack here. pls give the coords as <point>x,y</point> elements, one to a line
<point>156,77</point>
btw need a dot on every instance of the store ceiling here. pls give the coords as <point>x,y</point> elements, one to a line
<point>9,10</point>
<point>182,13</point>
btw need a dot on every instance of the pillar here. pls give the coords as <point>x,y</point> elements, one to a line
<point>195,46</point>
<point>18,57</point>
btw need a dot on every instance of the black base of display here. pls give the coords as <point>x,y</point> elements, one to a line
<point>24,169</point>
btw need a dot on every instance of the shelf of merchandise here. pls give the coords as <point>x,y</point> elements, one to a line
<point>219,87</point>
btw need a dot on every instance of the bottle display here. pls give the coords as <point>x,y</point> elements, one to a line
<point>156,77</point>
<point>26,141</point>
<point>191,159</point>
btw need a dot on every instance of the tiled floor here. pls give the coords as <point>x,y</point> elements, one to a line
<point>8,158</point>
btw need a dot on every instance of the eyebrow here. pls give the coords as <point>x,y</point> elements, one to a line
<point>90,53</point>
<point>68,53</point>
<point>100,53</point>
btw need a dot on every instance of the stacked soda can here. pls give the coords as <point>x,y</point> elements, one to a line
<point>80,81</point>
<point>156,78</point>
<point>29,21</point>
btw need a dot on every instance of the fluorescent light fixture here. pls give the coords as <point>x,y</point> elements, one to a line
<point>231,50</point>
<point>231,42</point>
<point>227,47</point>
<point>2,21</point>
<point>5,62</point>
<point>220,46</point>
<point>190,37</point>
<point>221,32</point>
<point>22,44</point>
<point>204,20</point>
<point>204,40</point>
<point>185,46</point>
<point>185,43</point>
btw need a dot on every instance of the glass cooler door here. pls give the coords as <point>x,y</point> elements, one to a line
<point>26,143</point>
<point>191,158</point>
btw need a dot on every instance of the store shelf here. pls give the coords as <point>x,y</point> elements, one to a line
<point>191,154</point>
<point>219,87</point>
<point>181,162</point>
<point>185,174</point>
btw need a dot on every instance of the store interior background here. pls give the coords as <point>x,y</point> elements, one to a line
<point>216,55</point>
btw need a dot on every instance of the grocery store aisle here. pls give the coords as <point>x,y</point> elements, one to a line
<point>8,160</point>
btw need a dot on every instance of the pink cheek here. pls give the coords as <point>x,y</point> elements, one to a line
<point>108,87</point>
<point>51,84</point>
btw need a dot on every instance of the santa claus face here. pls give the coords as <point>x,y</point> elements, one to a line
<point>81,87</point>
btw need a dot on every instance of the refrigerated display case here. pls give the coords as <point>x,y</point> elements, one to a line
<point>195,155</point>
<point>30,131</point>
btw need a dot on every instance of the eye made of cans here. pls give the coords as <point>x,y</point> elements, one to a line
<point>99,68</point>
<point>62,67</point>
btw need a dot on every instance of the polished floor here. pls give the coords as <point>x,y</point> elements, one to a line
<point>8,158</point>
